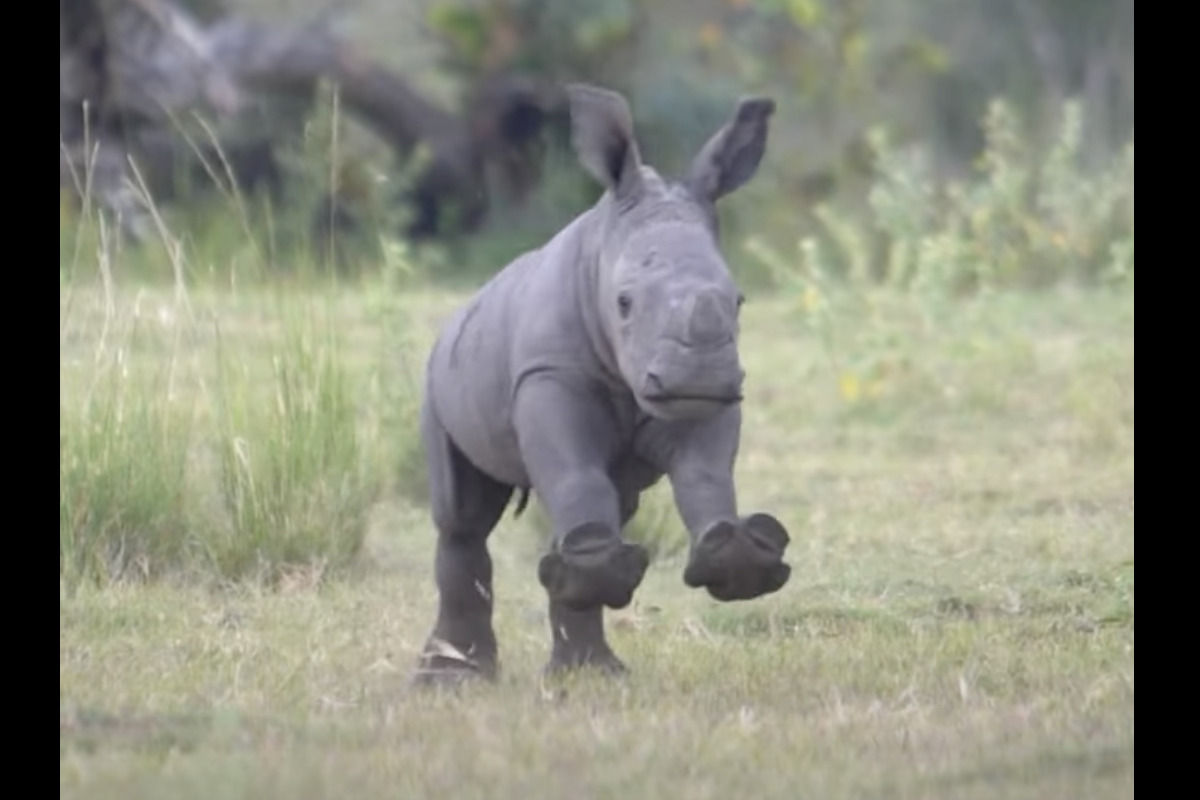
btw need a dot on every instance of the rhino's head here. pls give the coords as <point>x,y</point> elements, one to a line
<point>668,306</point>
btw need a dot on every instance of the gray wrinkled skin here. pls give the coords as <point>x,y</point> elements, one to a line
<point>585,371</point>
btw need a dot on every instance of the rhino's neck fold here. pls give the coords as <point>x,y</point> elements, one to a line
<point>589,295</point>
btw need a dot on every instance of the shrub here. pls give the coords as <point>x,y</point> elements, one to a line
<point>1020,221</point>
<point>294,478</point>
<point>123,446</point>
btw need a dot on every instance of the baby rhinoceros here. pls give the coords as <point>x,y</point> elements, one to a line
<point>585,371</point>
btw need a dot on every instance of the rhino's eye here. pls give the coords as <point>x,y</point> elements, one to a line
<point>740,300</point>
<point>624,304</point>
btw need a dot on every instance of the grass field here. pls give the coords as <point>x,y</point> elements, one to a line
<point>957,477</point>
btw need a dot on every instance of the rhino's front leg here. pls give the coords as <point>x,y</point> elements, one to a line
<point>734,558</point>
<point>567,438</point>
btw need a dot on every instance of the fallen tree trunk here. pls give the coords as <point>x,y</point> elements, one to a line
<point>251,61</point>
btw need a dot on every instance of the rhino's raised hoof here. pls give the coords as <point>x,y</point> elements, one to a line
<point>740,561</point>
<point>593,567</point>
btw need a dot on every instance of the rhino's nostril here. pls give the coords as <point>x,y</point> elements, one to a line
<point>654,384</point>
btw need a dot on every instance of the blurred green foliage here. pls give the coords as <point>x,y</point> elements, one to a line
<point>1007,124</point>
<point>1019,220</point>
<point>986,136</point>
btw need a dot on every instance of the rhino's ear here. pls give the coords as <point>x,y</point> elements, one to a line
<point>731,156</point>
<point>602,132</point>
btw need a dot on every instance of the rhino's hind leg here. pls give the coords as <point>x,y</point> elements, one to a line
<point>740,561</point>
<point>579,641</point>
<point>466,505</point>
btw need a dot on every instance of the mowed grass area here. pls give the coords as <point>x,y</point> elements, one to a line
<point>958,480</point>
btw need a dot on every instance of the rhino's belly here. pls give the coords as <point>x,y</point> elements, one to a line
<point>491,445</point>
<point>471,400</point>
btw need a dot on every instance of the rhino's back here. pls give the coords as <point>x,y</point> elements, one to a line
<point>469,379</point>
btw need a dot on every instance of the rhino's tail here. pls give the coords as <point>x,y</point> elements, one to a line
<point>522,501</point>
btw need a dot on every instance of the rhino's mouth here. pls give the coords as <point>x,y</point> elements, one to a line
<point>718,399</point>
<point>686,406</point>
<point>677,389</point>
<point>656,390</point>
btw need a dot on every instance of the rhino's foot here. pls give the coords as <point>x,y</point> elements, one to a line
<point>593,568</point>
<point>603,662</point>
<point>740,561</point>
<point>443,665</point>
